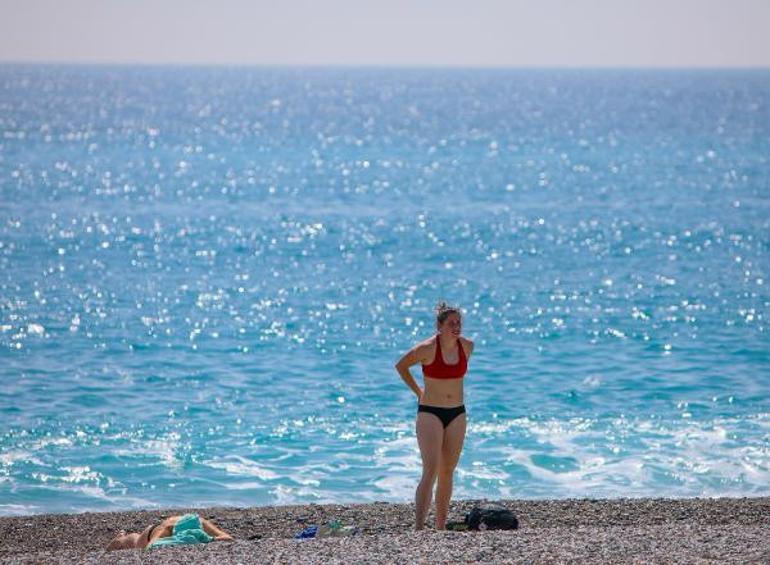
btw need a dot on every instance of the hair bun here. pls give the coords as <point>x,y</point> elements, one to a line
<point>443,310</point>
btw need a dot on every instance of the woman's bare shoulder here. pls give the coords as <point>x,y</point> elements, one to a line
<point>426,345</point>
<point>419,353</point>
<point>430,342</point>
<point>467,344</point>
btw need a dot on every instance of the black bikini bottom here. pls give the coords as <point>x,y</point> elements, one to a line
<point>446,415</point>
<point>149,534</point>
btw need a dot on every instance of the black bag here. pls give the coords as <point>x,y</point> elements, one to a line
<point>491,517</point>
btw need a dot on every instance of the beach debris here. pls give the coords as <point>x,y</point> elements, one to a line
<point>332,529</point>
<point>490,516</point>
<point>309,532</point>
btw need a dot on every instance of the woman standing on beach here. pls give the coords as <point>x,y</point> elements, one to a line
<point>441,413</point>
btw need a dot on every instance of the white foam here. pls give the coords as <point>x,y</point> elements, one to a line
<point>237,465</point>
<point>696,456</point>
<point>397,486</point>
<point>18,509</point>
<point>164,449</point>
<point>42,443</point>
<point>484,473</point>
<point>248,485</point>
<point>19,455</point>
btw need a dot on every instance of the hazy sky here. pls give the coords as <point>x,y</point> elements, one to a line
<point>568,33</point>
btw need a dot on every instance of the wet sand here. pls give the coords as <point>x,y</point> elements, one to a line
<point>723,530</point>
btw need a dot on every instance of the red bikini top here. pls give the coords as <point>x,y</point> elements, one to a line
<point>440,370</point>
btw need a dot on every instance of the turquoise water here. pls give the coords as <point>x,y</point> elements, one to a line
<point>206,276</point>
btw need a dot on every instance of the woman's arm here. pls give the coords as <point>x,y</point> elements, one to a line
<point>469,346</point>
<point>413,356</point>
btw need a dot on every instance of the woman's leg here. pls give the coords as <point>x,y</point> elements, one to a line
<point>124,541</point>
<point>454,436</point>
<point>211,529</point>
<point>430,433</point>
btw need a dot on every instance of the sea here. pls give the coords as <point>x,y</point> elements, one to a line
<point>207,275</point>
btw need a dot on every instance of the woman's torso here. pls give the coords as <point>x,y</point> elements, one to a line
<point>445,392</point>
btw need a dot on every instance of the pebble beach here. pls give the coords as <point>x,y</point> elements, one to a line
<point>697,530</point>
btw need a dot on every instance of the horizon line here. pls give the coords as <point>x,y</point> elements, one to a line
<point>381,66</point>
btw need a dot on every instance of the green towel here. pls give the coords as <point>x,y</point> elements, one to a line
<point>187,531</point>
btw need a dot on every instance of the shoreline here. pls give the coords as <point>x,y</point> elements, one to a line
<point>596,530</point>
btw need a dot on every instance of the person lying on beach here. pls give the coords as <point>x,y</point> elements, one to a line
<point>174,530</point>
